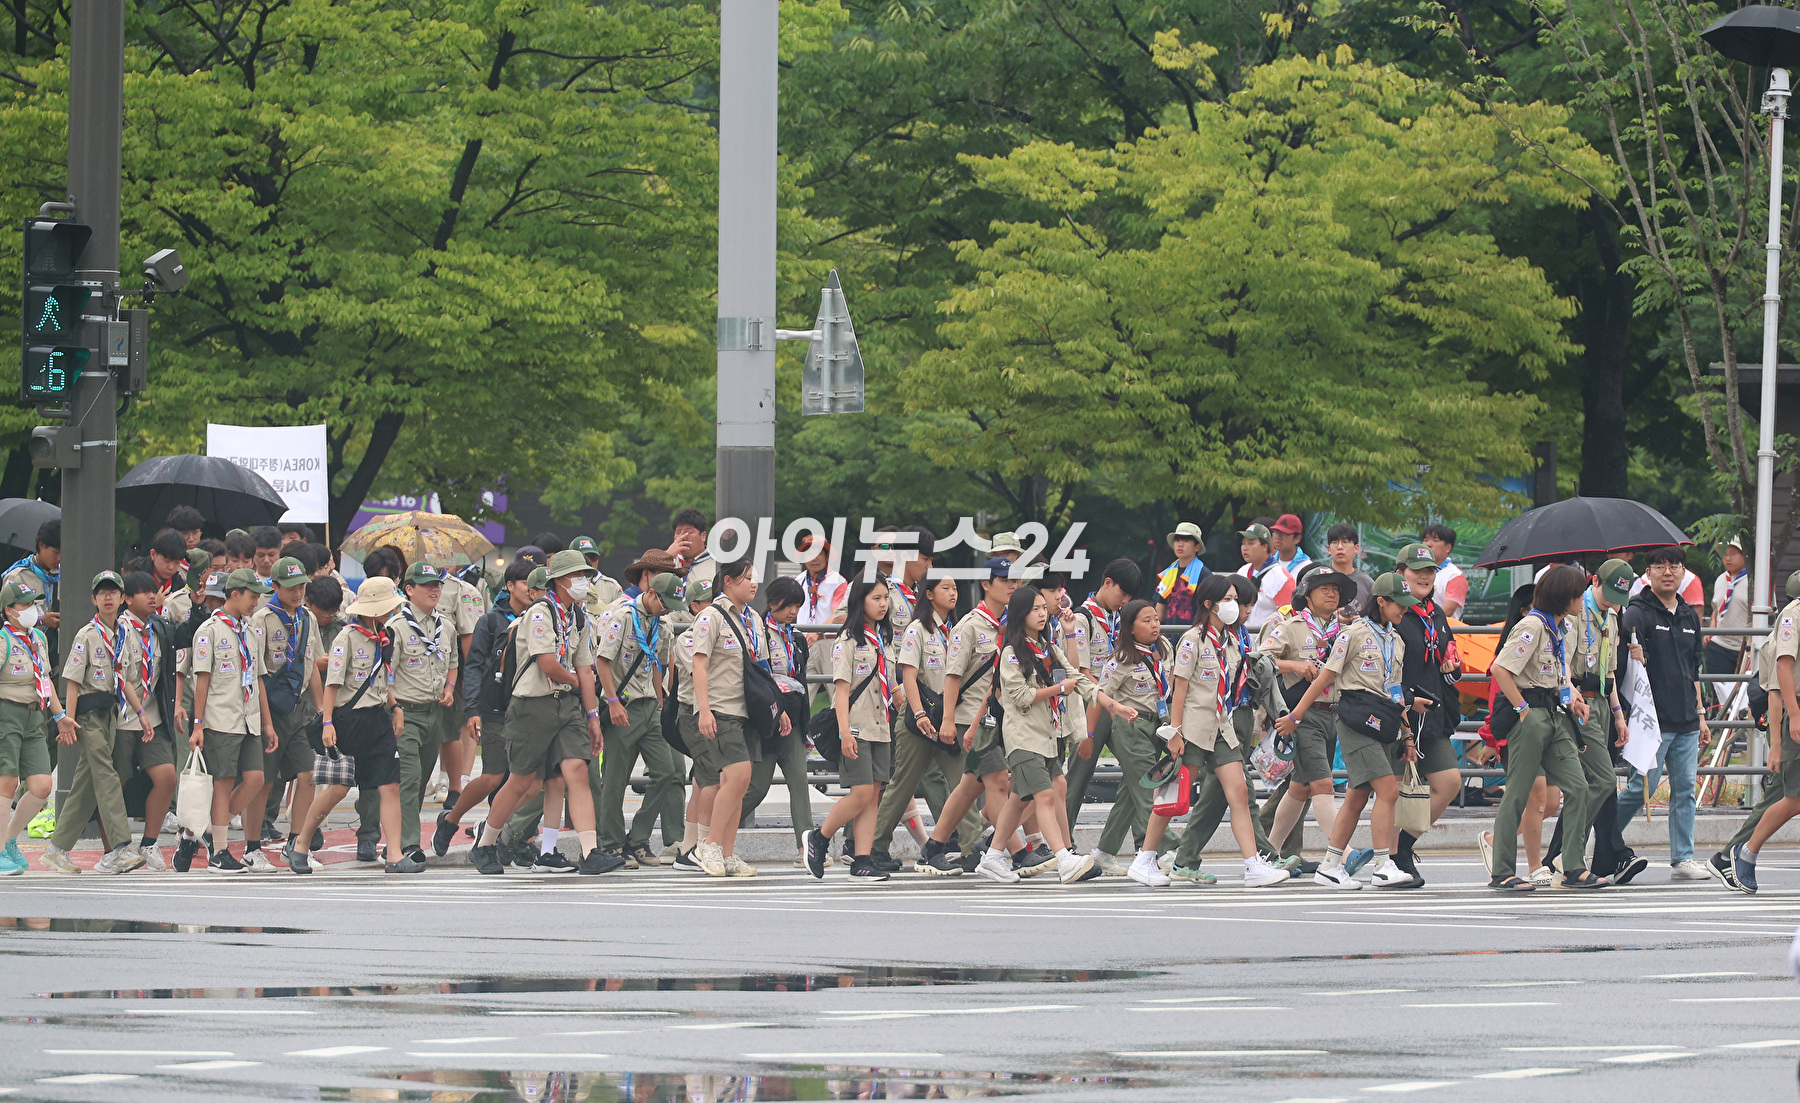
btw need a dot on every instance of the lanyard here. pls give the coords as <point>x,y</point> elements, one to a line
<point>115,648</point>
<point>1162,680</point>
<point>905,592</point>
<point>646,645</point>
<point>1109,620</point>
<point>288,623</point>
<point>1429,623</point>
<point>786,632</point>
<point>1387,638</point>
<point>246,679</point>
<point>1556,643</point>
<point>46,689</point>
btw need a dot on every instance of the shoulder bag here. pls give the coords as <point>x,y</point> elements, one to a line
<point>762,697</point>
<point>823,728</point>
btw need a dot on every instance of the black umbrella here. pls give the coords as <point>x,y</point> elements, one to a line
<point>20,519</point>
<point>225,494</point>
<point>1577,527</point>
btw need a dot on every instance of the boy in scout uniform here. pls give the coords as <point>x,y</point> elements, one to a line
<point>1776,666</point>
<point>1300,643</point>
<point>27,705</point>
<point>481,724</point>
<point>231,720</point>
<point>696,818</point>
<point>605,591</point>
<point>425,667</point>
<point>1593,668</point>
<point>153,748</point>
<point>42,571</point>
<point>1096,627</point>
<point>634,650</point>
<point>98,681</point>
<point>289,640</point>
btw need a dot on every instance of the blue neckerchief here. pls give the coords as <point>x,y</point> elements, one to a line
<point>646,646</point>
<point>787,639</point>
<point>1246,693</point>
<point>1387,638</point>
<point>748,620</point>
<point>288,623</point>
<point>48,578</point>
<point>1556,644</point>
<point>117,647</point>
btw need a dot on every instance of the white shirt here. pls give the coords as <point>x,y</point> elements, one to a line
<point>1275,589</point>
<point>823,597</point>
<point>1731,604</point>
<point>1451,587</point>
<point>1692,591</point>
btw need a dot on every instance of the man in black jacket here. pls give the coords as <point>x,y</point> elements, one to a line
<point>1668,630</point>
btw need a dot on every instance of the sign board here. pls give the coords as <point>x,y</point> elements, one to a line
<point>290,457</point>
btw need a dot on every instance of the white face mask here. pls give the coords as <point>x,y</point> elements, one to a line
<point>29,617</point>
<point>578,588</point>
<point>1228,612</point>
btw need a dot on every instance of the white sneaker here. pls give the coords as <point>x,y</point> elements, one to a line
<point>1110,866</point>
<point>997,867</point>
<point>121,859</point>
<point>1143,870</point>
<point>170,825</point>
<point>712,858</point>
<point>800,858</point>
<point>737,867</point>
<point>1542,877</point>
<point>1390,876</point>
<point>257,862</point>
<point>153,858</point>
<point>59,860</point>
<point>237,822</point>
<point>1166,861</point>
<point>1336,877</point>
<point>1260,874</point>
<point>1689,870</point>
<point>1073,868</point>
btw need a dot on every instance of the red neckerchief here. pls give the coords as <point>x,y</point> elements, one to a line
<point>873,638</point>
<point>1109,620</point>
<point>1060,702</point>
<point>1324,636</point>
<point>1425,609</point>
<point>556,624</point>
<point>46,688</point>
<point>245,682</point>
<point>1156,671</point>
<point>147,647</point>
<point>787,638</point>
<point>1213,638</point>
<point>981,609</point>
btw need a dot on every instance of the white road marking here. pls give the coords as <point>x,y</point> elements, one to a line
<point>586,1033</point>
<point>1204,999</point>
<point>589,1014</point>
<point>1224,1053</point>
<point>904,1013</point>
<point>1210,1007</point>
<point>1772,1043</point>
<point>141,1052</point>
<point>1640,1058</point>
<point>1690,976</point>
<point>719,1026</point>
<point>1312,1099</point>
<point>1521,1003</point>
<point>1365,992</point>
<point>515,1056</point>
<point>838,1056</point>
<point>1520,1074</point>
<point>213,1011</point>
<point>1414,1086</point>
<point>1735,999</point>
<point>87,1078</point>
<point>198,1066</point>
<point>1583,1049</point>
<point>1526,983</point>
<point>336,1051</point>
<point>461,1041</point>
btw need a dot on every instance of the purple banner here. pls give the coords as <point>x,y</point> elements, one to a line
<point>383,507</point>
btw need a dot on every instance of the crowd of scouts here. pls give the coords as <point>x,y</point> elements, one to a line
<point>253,654</point>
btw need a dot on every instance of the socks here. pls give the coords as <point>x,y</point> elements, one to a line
<point>149,840</point>
<point>1034,838</point>
<point>1324,810</point>
<point>547,845</point>
<point>490,835</point>
<point>1147,855</point>
<point>996,854</point>
<point>1334,857</point>
<point>1287,814</point>
<point>1380,859</point>
<point>221,840</point>
<point>690,834</point>
<point>29,807</point>
<point>590,841</point>
<point>1064,854</point>
<point>1749,852</point>
<point>251,845</point>
<point>1406,844</point>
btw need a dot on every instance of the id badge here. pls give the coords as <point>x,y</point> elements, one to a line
<point>1565,696</point>
<point>1397,694</point>
<point>1162,709</point>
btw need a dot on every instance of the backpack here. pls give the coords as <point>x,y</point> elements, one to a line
<point>283,689</point>
<point>503,679</point>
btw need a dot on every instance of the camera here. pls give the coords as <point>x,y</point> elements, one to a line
<point>165,270</point>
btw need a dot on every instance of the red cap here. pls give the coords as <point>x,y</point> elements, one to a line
<point>1287,523</point>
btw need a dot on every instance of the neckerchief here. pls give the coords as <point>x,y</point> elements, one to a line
<point>981,610</point>
<point>561,627</point>
<point>905,592</point>
<point>1590,606</point>
<point>1386,638</point>
<point>1222,697</point>
<point>115,649</point>
<point>1322,636</point>
<point>1556,645</point>
<point>646,644</point>
<point>147,648</point>
<point>748,620</point>
<point>1154,655</point>
<point>48,578</point>
<point>1109,621</point>
<point>1731,588</point>
<point>288,622</point>
<point>247,680</point>
<point>786,632</point>
<point>46,688</point>
<point>380,640</point>
<point>434,645</point>
<point>872,636</point>
<point>1425,609</point>
<point>1060,702</point>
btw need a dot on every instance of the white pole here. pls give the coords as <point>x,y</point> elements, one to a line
<point>1775,102</point>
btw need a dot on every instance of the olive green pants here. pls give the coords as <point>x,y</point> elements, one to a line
<point>104,762</point>
<point>1543,738</point>
<point>1209,810</point>
<point>1594,741</point>
<point>1134,744</point>
<point>641,737</point>
<point>789,753</point>
<point>927,765</point>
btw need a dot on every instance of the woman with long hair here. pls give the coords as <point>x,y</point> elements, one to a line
<point>1138,675</point>
<point>924,649</point>
<point>863,696</point>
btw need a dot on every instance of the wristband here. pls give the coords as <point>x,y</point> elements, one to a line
<point>1616,708</point>
<point>609,701</point>
<point>58,717</point>
<point>919,714</point>
<point>327,724</point>
<point>594,714</point>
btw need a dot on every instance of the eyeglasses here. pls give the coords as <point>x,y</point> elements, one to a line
<point>1667,567</point>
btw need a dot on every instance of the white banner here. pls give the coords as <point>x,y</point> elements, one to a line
<point>1643,735</point>
<point>290,457</point>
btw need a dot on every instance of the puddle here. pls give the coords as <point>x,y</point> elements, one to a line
<point>1444,953</point>
<point>828,1082</point>
<point>875,976</point>
<point>131,926</point>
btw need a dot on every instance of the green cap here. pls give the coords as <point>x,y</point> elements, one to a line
<point>567,562</point>
<point>288,571</point>
<point>109,578</point>
<point>1616,577</point>
<point>1257,532</point>
<point>696,590</point>
<point>668,587</point>
<point>198,560</point>
<point>1416,556</point>
<point>1793,584</point>
<point>586,545</point>
<point>244,579</point>
<point>17,593</point>
<point>215,584</point>
<point>237,532</point>
<point>537,580</point>
<point>1394,588</point>
<point>423,574</point>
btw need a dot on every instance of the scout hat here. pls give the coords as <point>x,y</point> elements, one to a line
<point>423,574</point>
<point>586,545</point>
<point>653,559</point>
<point>1317,575</point>
<point>376,598</point>
<point>288,571</point>
<point>1159,774</point>
<point>1793,584</point>
<point>17,593</point>
<point>242,579</point>
<point>1006,542</point>
<point>109,578</point>
<point>1738,543</point>
<point>1616,577</point>
<point>537,579</point>
<point>1187,530</point>
<point>696,590</point>
<point>1394,588</point>
<point>1416,556</point>
<point>668,587</point>
<point>1256,532</point>
<point>198,560</point>
<point>567,562</point>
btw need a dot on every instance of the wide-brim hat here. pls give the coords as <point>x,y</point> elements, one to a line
<point>567,562</point>
<point>653,559</point>
<point>1186,530</point>
<point>377,598</point>
<point>1312,580</point>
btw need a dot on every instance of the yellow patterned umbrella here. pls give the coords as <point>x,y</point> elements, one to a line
<point>436,538</point>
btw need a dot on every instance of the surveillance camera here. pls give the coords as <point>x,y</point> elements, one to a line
<point>165,270</point>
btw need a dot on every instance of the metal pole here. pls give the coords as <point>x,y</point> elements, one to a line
<point>749,36</point>
<point>96,120</point>
<point>1775,102</point>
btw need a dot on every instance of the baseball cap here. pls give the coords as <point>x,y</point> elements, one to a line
<point>1256,532</point>
<point>423,574</point>
<point>586,545</point>
<point>567,562</point>
<point>668,587</point>
<point>1416,556</point>
<point>997,567</point>
<point>17,593</point>
<point>1616,577</point>
<point>537,579</point>
<point>696,589</point>
<point>109,578</point>
<point>198,560</point>
<point>1394,588</point>
<point>215,585</point>
<point>1288,523</point>
<point>532,554</point>
<point>241,579</point>
<point>288,571</point>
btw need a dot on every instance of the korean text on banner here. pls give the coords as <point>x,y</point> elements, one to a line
<point>290,457</point>
<point>1644,734</point>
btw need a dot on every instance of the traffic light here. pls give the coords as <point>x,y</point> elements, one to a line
<point>54,352</point>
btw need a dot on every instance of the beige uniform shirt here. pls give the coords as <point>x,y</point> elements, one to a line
<point>18,677</point>
<point>419,675</point>
<point>1783,640</point>
<point>1584,637</point>
<point>1359,662</point>
<point>713,637</point>
<point>462,606</point>
<point>1030,726</point>
<point>1530,656</point>
<point>853,662</point>
<point>926,653</point>
<point>681,654</point>
<point>542,630</point>
<point>1202,662</point>
<point>1144,686</point>
<point>354,659</point>
<point>144,684</point>
<point>271,637</point>
<point>618,632</point>
<point>973,644</point>
<point>1292,639</point>
<point>1091,638</point>
<point>218,651</point>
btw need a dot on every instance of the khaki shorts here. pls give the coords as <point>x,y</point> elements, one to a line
<point>1312,746</point>
<point>1790,765</point>
<point>295,754</point>
<point>233,754</point>
<point>1032,773</point>
<point>873,765</point>
<point>544,732</point>
<point>988,757</point>
<point>1437,753</point>
<point>160,750</point>
<point>493,745</point>
<point>1366,759</point>
<point>727,747</point>
<point>1197,760</point>
<point>25,740</point>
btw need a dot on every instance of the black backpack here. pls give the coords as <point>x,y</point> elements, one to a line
<point>504,672</point>
<point>283,689</point>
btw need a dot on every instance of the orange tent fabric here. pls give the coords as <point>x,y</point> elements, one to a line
<point>1477,651</point>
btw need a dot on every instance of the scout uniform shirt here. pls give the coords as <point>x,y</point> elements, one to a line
<point>1367,658</point>
<point>462,604</point>
<point>25,669</point>
<point>1142,685</point>
<point>425,653</point>
<point>1208,659</point>
<point>147,663</point>
<point>903,603</point>
<point>676,625</point>
<point>550,628</point>
<point>973,645</point>
<point>1096,631</point>
<point>603,593</point>
<point>926,652</point>
<point>784,649</point>
<point>279,646</point>
<point>1036,727</point>
<point>625,632</point>
<point>1530,653</point>
<point>1783,640</point>
<point>356,659</point>
<point>855,661</point>
<point>713,637</point>
<point>99,657</point>
<point>223,649</point>
<point>1593,644</point>
<point>1300,637</point>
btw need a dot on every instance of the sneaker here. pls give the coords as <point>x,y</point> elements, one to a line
<point>269,834</point>
<point>641,855</point>
<point>817,846</point>
<point>1291,863</point>
<point>1074,868</point>
<point>884,861</point>
<point>1743,871</point>
<point>297,862</point>
<point>120,859</point>
<point>686,861</point>
<point>9,865</point>
<point>1358,858</point>
<point>945,863</point>
<point>365,852</point>
<point>737,867</point>
<point>443,835</point>
<point>1032,861</point>
<point>524,854</point>
<point>864,871</point>
<point>1542,877</point>
<point>997,867</point>
<point>59,860</point>
<point>1336,877</point>
<point>927,852</point>
<point>628,862</point>
<point>1192,876</point>
<point>411,863</point>
<point>1689,870</point>
<point>1630,868</point>
<point>486,859</point>
<point>1109,865</point>
<point>1305,867</point>
<point>185,849</point>
<point>237,821</point>
<point>1165,861</point>
<point>1260,873</point>
<point>553,862</point>
<point>153,858</point>
<point>711,857</point>
<point>255,861</point>
<point>1143,870</point>
<point>1410,864</point>
<point>800,857</point>
<point>170,825</point>
<point>223,861</point>
<point>1391,876</point>
<point>671,852</point>
<point>598,862</point>
<point>1719,865</point>
<point>968,862</point>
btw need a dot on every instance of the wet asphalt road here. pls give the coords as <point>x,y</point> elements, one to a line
<point>655,986</point>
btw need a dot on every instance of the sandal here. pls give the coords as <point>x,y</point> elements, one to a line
<point>1583,880</point>
<point>1511,884</point>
